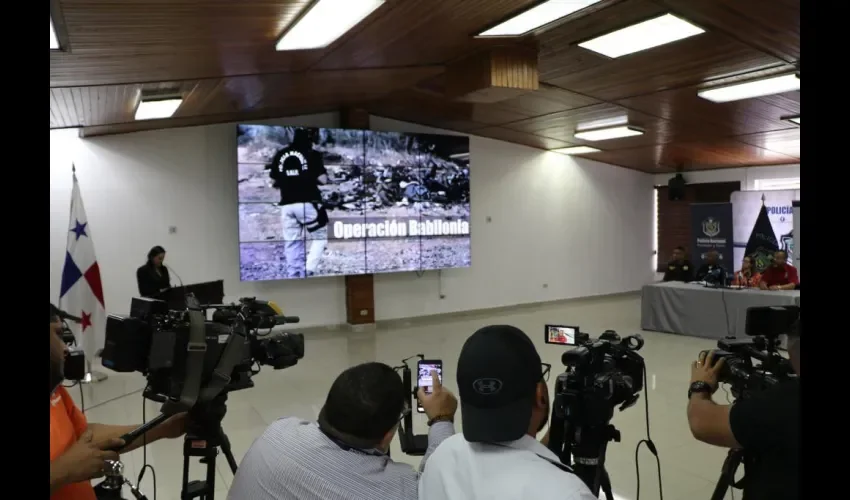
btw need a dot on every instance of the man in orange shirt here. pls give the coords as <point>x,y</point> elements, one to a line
<point>78,450</point>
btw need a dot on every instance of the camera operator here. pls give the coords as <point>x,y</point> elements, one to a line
<point>344,456</point>
<point>504,405</point>
<point>78,449</point>
<point>766,426</point>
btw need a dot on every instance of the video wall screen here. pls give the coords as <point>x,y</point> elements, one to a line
<point>331,202</point>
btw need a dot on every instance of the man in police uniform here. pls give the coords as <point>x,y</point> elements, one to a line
<point>679,268</point>
<point>297,171</point>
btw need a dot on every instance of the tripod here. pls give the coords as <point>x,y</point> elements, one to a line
<point>204,436</point>
<point>727,474</point>
<point>589,454</point>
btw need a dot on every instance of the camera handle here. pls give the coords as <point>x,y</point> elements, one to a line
<point>414,445</point>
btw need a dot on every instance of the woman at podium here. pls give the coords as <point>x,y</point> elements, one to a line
<point>152,277</point>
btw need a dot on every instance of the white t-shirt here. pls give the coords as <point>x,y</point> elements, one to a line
<point>459,470</point>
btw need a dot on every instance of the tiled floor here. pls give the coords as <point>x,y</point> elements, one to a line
<point>689,468</point>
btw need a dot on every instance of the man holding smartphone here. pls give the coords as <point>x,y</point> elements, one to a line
<point>504,404</point>
<point>344,455</point>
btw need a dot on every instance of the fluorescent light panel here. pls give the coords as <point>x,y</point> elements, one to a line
<point>749,90</point>
<point>576,150</point>
<point>54,42</point>
<point>163,108</point>
<point>604,134</point>
<point>646,35</point>
<point>536,17</point>
<point>326,21</point>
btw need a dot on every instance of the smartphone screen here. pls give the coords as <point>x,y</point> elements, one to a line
<point>424,378</point>
<point>561,334</point>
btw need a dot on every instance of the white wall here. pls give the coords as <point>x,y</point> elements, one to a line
<point>747,175</point>
<point>545,226</point>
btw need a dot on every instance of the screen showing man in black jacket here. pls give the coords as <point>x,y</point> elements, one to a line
<point>297,171</point>
<point>679,268</point>
<point>711,271</point>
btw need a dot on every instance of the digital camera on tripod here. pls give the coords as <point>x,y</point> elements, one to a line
<point>751,366</point>
<point>600,375</point>
<point>191,364</point>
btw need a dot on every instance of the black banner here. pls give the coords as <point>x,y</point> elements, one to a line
<point>711,229</point>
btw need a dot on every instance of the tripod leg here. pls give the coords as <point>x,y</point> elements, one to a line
<point>184,491</point>
<point>727,474</point>
<point>605,484</point>
<point>225,449</point>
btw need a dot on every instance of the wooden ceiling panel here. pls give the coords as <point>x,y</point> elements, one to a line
<point>418,106</point>
<point>112,104</point>
<point>786,142</point>
<point>697,59</point>
<point>723,153</point>
<point>508,135</point>
<point>220,55</point>
<point>732,118</point>
<point>422,32</point>
<point>192,121</point>
<point>772,26</point>
<point>563,126</point>
<point>122,27</point>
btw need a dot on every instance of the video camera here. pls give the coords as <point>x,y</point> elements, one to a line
<point>752,365</point>
<point>755,364</point>
<point>600,374</point>
<point>161,344</point>
<point>191,364</point>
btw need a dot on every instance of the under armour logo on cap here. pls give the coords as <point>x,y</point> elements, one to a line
<point>487,386</point>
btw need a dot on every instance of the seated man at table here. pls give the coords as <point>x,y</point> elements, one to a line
<point>711,271</point>
<point>780,275</point>
<point>679,268</point>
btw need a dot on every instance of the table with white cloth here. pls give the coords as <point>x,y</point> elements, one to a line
<point>699,311</point>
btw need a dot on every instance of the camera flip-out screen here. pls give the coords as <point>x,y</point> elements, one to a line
<point>561,334</point>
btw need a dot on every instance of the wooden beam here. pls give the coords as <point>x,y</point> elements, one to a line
<point>493,75</point>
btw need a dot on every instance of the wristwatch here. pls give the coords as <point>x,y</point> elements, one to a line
<point>440,418</point>
<point>699,386</point>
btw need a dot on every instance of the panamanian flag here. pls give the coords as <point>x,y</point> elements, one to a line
<point>81,293</point>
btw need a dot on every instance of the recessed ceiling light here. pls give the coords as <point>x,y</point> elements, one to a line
<point>160,108</point>
<point>646,35</point>
<point>537,16</point>
<point>751,89</point>
<point>604,134</point>
<point>576,150</point>
<point>326,21</point>
<point>54,42</point>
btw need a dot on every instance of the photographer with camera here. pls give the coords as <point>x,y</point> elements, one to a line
<point>344,456</point>
<point>765,424</point>
<point>79,450</point>
<point>504,405</point>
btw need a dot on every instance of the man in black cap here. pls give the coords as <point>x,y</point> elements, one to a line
<point>504,404</point>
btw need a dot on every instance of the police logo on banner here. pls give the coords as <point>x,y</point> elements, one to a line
<point>762,258</point>
<point>711,227</point>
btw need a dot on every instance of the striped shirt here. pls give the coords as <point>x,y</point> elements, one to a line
<point>294,460</point>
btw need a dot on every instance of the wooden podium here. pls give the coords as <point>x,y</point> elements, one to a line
<point>359,289</point>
